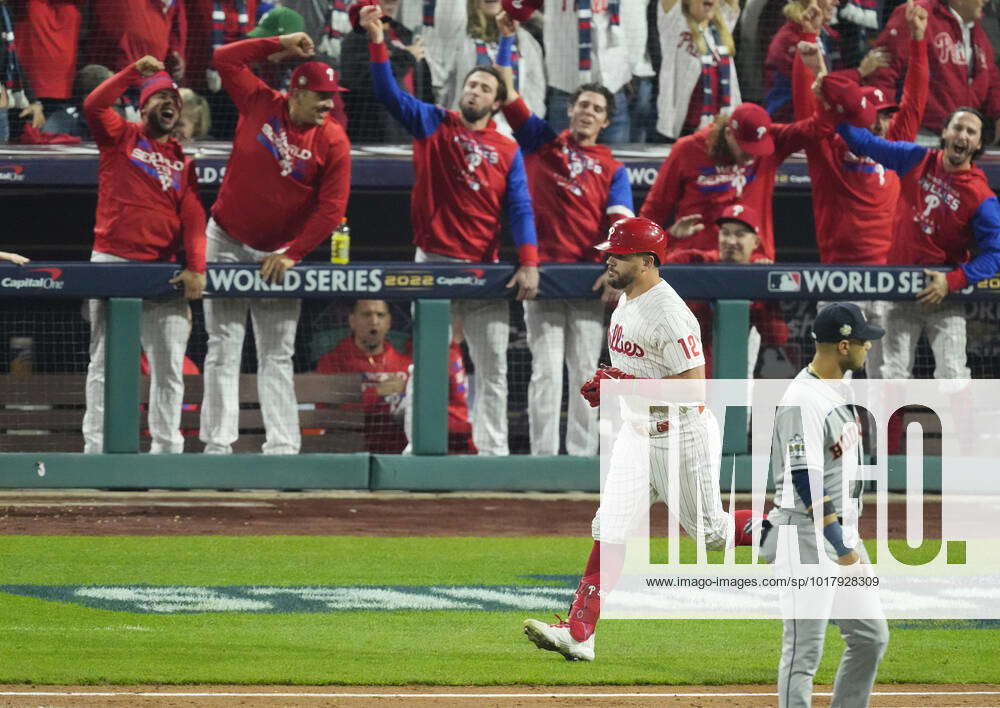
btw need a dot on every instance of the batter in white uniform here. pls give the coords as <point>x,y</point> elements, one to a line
<point>652,335</point>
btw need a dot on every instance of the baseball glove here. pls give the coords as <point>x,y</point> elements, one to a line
<point>592,389</point>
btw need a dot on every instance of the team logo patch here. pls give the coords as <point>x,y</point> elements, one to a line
<point>797,447</point>
<point>845,330</point>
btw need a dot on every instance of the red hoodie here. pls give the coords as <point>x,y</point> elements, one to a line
<point>956,83</point>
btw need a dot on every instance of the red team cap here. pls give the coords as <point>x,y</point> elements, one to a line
<point>159,81</point>
<point>848,101</point>
<point>521,10</point>
<point>354,12</point>
<point>749,123</point>
<point>316,76</point>
<point>878,97</point>
<point>636,235</point>
<point>743,214</point>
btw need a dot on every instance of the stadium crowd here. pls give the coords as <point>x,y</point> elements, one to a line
<point>511,107</point>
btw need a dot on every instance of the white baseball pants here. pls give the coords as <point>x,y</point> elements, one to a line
<point>945,327</point>
<point>164,337</point>
<point>274,323</point>
<point>486,327</point>
<point>699,503</point>
<point>570,332</point>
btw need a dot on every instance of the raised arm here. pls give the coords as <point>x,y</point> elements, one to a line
<point>530,131</point>
<point>899,156</point>
<point>331,202</point>
<point>419,118</point>
<point>105,124</point>
<point>232,61</point>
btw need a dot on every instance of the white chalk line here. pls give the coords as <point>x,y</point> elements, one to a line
<point>235,694</point>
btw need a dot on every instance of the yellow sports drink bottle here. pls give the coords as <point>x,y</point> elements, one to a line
<point>340,244</point>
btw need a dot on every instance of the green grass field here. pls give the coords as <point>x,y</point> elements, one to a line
<point>61,642</point>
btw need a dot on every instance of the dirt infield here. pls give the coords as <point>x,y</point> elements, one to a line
<point>167,513</point>
<point>913,695</point>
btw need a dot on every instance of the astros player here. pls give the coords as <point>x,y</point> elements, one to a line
<point>467,175</point>
<point>946,209</point>
<point>285,191</point>
<point>147,210</point>
<point>816,433</point>
<point>577,187</point>
<point>652,335</point>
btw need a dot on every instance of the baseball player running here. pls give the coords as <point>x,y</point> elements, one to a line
<point>147,210</point>
<point>285,191</point>
<point>816,433</point>
<point>467,175</point>
<point>576,188</point>
<point>946,208</point>
<point>652,335</point>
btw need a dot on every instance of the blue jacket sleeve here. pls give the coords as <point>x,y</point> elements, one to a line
<point>620,193</point>
<point>897,155</point>
<point>520,214</point>
<point>533,133</point>
<point>779,95</point>
<point>986,227</point>
<point>419,118</point>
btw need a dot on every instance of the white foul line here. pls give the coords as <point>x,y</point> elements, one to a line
<point>230,694</point>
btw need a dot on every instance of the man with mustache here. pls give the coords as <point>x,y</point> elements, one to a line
<point>285,191</point>
<point>147,210</point>
<point>946,208</point>
<point>466,175</point>
<point>578,188</point>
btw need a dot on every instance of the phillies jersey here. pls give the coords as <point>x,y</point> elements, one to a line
<point>654,335</point>
<point>147,199</point>
<point>854,198</point>
<point>573,187</point>
<point>286,185</point>
<point>464,179</point>
<point>941,214</point>
<point>689,182</point>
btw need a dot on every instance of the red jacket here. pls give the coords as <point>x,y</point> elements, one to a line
<point>124,31</point>
<point>765,315</point>
<point>689,182</point>
<point>147,198</point>
<point>285,184</point>
<point>47,35</point>
<point>854,198</point>
<point>955,82</point>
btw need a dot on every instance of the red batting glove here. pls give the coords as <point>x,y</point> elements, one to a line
<point>592,389</point>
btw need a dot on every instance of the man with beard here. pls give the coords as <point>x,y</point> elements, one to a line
<point>946,209</point>
<point>577,188</point>
<point>652,335</point>
<point>854,198</point>
<point>285,191</point>
<point>735,159</point>
<point>466,175</point>
<point>147,210</point>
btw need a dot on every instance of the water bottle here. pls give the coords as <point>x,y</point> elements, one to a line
<point>340,244</point>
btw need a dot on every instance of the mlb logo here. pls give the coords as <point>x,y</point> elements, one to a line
<point>784,281</point>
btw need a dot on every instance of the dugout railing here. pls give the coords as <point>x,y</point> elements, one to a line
<point>431,288</point>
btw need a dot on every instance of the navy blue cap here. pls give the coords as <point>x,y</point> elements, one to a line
<point>843,320</point>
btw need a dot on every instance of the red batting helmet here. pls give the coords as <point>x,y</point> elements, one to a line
<point>636,235</point>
